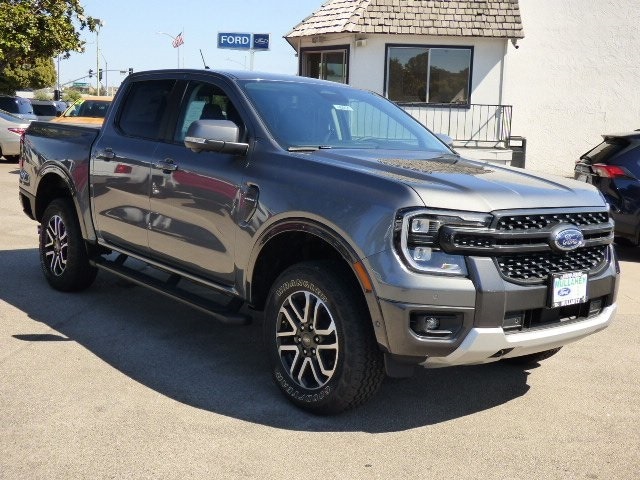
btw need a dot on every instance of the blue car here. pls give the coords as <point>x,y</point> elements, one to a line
<point>613,166</point>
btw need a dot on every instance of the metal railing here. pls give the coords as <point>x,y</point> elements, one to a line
<point>472,125</point>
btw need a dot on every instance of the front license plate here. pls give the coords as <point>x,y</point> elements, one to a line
<point>568,288</point>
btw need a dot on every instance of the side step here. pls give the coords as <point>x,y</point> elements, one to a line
<point>225,313</point>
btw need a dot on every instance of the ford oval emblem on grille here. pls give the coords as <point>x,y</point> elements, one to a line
<point>567,239</point>
<point>563,292</point>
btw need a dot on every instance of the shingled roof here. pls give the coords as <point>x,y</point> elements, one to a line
<point>470,18</point>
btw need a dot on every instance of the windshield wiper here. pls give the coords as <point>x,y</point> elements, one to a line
<point>308,148</point>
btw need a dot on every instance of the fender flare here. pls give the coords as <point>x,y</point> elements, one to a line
<point>52,168</point>
<point>333,238</point>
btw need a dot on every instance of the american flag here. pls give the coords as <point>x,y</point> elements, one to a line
<point>177,41</point>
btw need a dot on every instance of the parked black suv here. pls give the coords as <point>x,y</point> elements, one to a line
<point>613,166</point>
<point>20,107</point>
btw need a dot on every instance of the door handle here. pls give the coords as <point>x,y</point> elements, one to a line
<point>166,166</point>
<point>107,155</point>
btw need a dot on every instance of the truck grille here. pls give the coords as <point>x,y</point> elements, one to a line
<point>526,222</point>
<point>535,267</point>
<point>522,242</point>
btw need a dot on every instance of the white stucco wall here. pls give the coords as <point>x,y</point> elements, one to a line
<point>367,67</point>
<point>574,77</point>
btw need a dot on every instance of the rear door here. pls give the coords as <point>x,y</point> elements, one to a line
<point>194,195</point>
<point>121,164</point>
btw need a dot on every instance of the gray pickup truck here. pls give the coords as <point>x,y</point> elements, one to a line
<point>368,244</point>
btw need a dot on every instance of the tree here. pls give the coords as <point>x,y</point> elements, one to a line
<point>71,95</point>
<point>39,74</point>
<point>39,29</point>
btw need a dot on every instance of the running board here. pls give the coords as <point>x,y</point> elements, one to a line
<point>225,313</point>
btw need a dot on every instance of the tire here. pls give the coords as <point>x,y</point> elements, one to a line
<point>322,350</point>
<point>63,254</point>
<point>532,358</point>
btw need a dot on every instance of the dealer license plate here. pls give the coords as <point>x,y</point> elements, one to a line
<point>568,288</point>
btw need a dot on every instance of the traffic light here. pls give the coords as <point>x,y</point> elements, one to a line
<point>130,70</point>
<point>57,95</point>
<point>90,73</point>
<point>100,74</point>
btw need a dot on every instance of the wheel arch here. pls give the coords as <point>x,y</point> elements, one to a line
<point>54,183</point>
<point>297,240</point>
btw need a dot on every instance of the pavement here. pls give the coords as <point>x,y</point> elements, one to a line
<point>120,383</point>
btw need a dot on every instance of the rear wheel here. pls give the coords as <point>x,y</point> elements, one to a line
<point>63,254</point>
<point>319,338</point>
<point>532,358</point>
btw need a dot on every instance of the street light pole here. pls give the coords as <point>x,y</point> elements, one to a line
<point>99,23</point>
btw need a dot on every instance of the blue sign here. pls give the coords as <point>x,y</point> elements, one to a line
<point>261,41</point>
<point>240,41</point>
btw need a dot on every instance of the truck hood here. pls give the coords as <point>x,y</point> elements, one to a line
<point>449,181</point>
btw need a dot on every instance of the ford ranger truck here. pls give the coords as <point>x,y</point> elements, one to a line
<point>367,244</point>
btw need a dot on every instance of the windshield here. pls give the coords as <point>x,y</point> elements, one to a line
<point>313,115</point>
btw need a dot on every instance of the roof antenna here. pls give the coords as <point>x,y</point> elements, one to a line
<point>206,67</point>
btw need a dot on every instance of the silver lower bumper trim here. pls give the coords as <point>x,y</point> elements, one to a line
<point>482,344</point>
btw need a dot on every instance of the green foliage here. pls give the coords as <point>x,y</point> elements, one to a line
<point>42,95</point>
<point>71,95</point>
<point>39,29</point>
<point>39,74</point>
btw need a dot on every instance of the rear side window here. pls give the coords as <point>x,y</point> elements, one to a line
<point>9,104</point>
<point>144,107</point>
<point>44,110</point>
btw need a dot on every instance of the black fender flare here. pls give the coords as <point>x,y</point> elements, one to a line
<point>341,245</point>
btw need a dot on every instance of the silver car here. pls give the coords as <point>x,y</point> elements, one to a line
<point>11,129</point>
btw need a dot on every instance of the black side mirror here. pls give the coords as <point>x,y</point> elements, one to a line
<point>215,136</point>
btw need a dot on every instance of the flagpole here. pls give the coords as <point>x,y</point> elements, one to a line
<point>174,40</point>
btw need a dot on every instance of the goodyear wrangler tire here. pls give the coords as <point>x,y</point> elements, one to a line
<point>322,350</point>
<point>63,255</point>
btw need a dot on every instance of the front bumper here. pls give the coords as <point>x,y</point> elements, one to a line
<point>482,301</point>
<point>484,345</point>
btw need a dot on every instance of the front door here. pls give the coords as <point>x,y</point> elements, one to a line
<point>193,195</point>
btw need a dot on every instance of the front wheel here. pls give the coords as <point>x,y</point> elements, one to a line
<point>319,338</point>
<point>63,254</point>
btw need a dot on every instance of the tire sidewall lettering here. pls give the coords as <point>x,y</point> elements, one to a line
<point>299,283</point>
<point>301,396</point>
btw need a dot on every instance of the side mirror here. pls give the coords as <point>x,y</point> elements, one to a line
<point>215,136</point>
<point>446,139</point>
<point>58,113</point>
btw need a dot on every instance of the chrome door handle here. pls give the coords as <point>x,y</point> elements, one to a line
<point>106,155</point>
<point>167,165</point>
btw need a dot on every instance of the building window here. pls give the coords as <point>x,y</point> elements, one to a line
<point>429,74</point>
<point>325,64</point>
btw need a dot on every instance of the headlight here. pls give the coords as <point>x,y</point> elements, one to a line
<point>417,239</point>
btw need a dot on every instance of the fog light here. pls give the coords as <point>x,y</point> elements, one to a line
<point>431,323</point>
<point>435,324</point>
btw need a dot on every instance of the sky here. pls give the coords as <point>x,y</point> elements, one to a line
<point>129,37</point>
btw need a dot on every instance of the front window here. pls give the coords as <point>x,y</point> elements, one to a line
<point>429,74</point>
<point>325,65</point>
<point>312,116</point>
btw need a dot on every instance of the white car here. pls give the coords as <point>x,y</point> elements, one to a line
<point>11,129</point>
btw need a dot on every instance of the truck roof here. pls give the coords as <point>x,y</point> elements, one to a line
<point>234,74</point>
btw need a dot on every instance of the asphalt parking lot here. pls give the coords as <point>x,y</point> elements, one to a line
<point>119,382</point>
